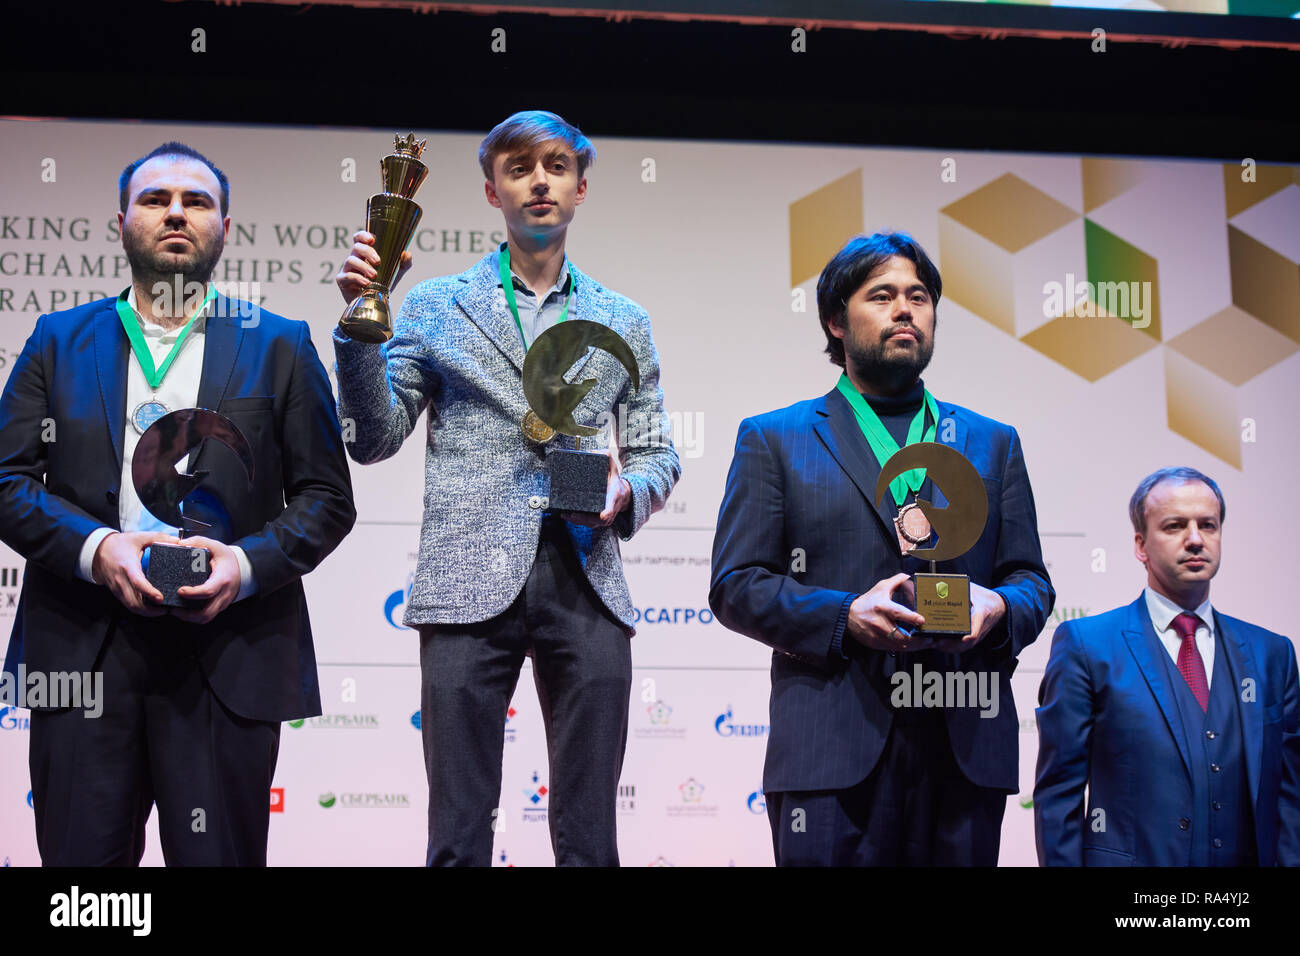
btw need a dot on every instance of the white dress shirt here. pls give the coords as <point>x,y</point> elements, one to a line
<point>1163,611</point>
<point>179,389</point>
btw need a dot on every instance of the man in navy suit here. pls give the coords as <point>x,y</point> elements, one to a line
<point>1180,721</point>
<point>192,699</point>
<point>805,561</point>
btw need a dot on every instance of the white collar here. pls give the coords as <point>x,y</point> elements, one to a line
<point>1163,611</point>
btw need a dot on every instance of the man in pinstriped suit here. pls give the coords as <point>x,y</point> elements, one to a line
<point>499,576</point>
<point>807,563</point>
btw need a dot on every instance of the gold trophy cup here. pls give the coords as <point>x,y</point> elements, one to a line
<point>391,217</point>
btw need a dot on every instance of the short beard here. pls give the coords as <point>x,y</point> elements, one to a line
<point>888,374</point>
<point>148,268</point>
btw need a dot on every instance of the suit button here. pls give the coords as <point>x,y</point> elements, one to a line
<point>1217,805</point>
<point>1218,844</point>
<point>1214,768</point>
<point>1210,734</point>
<point>1184,823</point>
<point>534,502</point>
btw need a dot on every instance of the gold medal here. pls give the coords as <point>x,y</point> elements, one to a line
<point>536,430</point>
<point>913,527</point>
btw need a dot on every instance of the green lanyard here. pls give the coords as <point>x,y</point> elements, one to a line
<point>503,260</point>
<point>882,443</point>
<point>138,345</point>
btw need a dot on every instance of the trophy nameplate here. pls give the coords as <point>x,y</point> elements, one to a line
<point>162,491</point>
<point>942,599</point>
<point>579,478</point>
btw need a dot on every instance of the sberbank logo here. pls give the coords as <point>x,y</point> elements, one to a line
<point>297,723</point>
<point>327,800</point>
<point>1027,802</point>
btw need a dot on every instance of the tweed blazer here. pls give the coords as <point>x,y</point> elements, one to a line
<point>456,351</point>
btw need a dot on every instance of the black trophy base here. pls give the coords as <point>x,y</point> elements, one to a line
<point>944,601</point>
<point>173,566</point>
<point>579,480</point>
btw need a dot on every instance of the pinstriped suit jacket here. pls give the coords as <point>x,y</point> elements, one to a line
<point>803,478</point>
<point>456,352</point>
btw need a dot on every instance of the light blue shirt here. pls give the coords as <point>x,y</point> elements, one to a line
<point>535,316</point>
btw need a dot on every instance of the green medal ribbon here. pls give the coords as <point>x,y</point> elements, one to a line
<point>503,261</point>
<point>141,349</point>
<point>882,443</point>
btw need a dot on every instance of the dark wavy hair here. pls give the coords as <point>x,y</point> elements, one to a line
<point>851,266</point>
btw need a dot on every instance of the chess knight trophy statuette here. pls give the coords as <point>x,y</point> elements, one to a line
<point>578,478</point>
<point>391,217</point>
<point>942,599</point>
<point>162,490</point>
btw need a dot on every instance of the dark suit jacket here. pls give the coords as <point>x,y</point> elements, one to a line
<point>803,478</point>
<point>1107,719</point>
<point>257,654</point>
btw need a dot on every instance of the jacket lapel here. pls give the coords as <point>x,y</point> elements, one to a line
<point>222,338</point>
<point>839,432</point>
<point>477,298</point>
<point>1241,661</point>
<point>1146,648</point>
<point>111,350</point>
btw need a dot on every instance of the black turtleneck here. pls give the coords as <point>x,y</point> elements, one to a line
<point>897,411</point>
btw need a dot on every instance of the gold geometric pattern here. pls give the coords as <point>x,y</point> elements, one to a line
<point>1264,283</point>
<point>1104,179</point>
<point>1234,345</point>
<point>1092,346</point>
<point>821,222</point>
<point>985,239</point>
<point>1010,212</point>
<point>1202,408</point>
<point>1239,195</point>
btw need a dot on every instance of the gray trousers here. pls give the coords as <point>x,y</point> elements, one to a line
<point>582,664</point>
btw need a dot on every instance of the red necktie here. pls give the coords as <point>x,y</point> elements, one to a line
<point>1190,664</point>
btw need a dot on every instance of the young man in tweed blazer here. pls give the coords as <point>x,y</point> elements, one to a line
<point>499,575</point>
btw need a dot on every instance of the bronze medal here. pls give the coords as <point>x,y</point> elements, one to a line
<point>913,527</point>
<point>536,430</point>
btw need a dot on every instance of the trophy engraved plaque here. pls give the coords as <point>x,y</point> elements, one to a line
<point>942,599</point>
<point>162,491</point>
<point>391,217</point>
<point>579,478</point>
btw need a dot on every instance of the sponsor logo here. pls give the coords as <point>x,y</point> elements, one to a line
<point>11,719</point>
<point>277,799</point>
<point>339,722</point>
<point>725,726</point>
<point>368,801</point>
<point>671,615</point>
<point>659,716</point>
<point>415,720</point>
<point>502,860</point>
<point>692,803</point>
<point>626,800</point>
<point>755,802</point>
<point>327,800</point>
<point>535,795</point>
<point>29,800</point>
<point>395,603</point>
<point>10,582</point>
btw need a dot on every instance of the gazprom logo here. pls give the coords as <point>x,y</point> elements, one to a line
<point>725,726</point>
<point>756,802</point>
<point>396,602</point>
